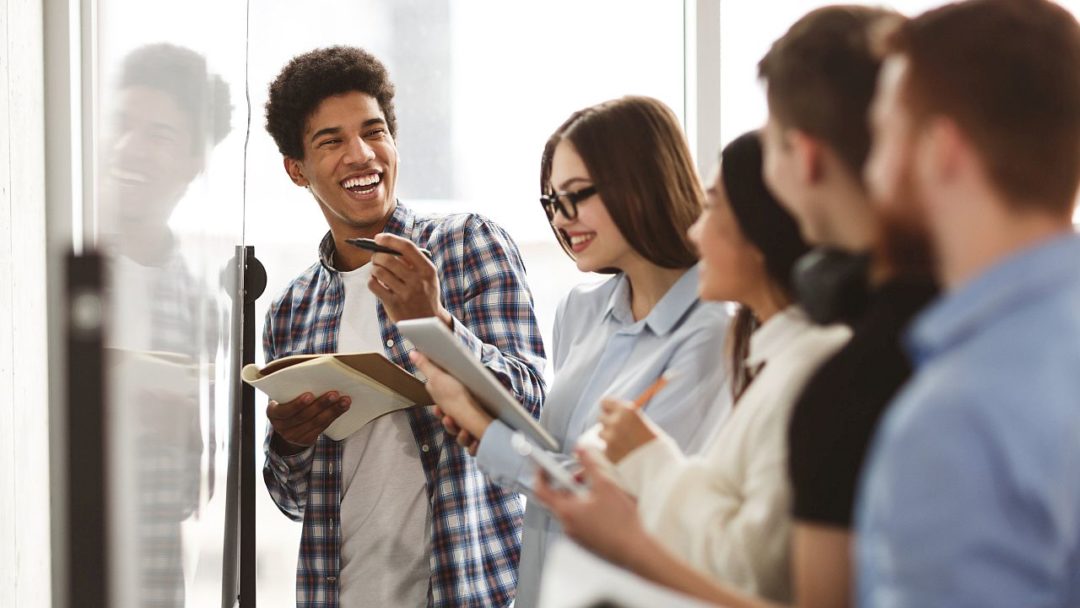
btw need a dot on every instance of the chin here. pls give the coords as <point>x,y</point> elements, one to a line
<point>709,295</point>
<point>711,289</point>
<point>585,266</point>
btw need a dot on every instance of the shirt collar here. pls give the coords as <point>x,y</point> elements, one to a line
<point>776,334</point>
<point>400,222</point>
<point>668,311</point>
<point>1017,281</point>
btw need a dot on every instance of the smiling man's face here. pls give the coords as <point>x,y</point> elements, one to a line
<point>350,163</point>
<point>149,157</point>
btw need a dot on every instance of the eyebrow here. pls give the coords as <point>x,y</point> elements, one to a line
<point>156,125</point>
<point>335,130</point>
<point>166,127</point>
<point>572,180</point>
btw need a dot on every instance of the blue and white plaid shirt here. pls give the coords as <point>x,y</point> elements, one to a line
<point>476,525</point>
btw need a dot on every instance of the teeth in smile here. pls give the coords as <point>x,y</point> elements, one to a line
<point>363,180</point>
<point>579,239</point>
<point>129,176</point>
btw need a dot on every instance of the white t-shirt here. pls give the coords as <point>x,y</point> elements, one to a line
<point>132,291</point>
<point>385,513</point>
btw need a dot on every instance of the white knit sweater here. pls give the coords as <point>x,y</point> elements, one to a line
<point>728,510</point>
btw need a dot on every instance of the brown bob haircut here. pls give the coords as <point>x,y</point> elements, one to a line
<point>821,75</point>
<point>1007,72</point>
<point>639,161</point>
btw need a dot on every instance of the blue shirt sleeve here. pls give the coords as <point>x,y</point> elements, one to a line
<point>944,517</point>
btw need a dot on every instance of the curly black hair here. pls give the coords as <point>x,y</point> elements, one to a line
<point>310,78</point>
<point>181,73</point>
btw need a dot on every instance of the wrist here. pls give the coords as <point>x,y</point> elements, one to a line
<point>445,316</point>
<point>482,428</point>
<point>285,447</point>
<point>637,549</point>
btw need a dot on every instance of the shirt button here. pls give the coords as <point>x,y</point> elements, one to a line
<point>389,344</point>
<point>331,579</point>
<point>331,468</point>
<point>425,448</point>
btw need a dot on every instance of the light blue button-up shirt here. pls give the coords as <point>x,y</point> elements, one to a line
<point>971,497</point>
<point>600,350</point>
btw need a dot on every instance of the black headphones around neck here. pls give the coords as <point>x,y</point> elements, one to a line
<point>832,285</point>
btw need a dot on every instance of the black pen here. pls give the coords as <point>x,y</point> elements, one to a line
<point>371,245</point>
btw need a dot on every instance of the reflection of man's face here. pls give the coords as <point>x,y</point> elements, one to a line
<point>148,158</point>
<point>890,173</point>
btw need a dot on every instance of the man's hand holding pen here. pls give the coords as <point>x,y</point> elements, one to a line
<point>407,284</point>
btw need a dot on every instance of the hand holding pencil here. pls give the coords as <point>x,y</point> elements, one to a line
<point>623,426</point>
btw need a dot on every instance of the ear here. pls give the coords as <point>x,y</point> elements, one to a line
<point>943,152</point>
<point>807,153</point>
<point>295,170</point>
<point>195,165</point>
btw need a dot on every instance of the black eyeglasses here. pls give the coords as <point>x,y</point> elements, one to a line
<point>565,202</point>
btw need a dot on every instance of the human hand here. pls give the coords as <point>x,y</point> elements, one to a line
<point>461,415</point>
<point>624,428</point>
<point>604,519</point>
<point>407,284</point>
<point>461,436</point>
<point>299,422</point>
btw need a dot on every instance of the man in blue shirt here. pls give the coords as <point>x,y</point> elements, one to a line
<point>971,496</point>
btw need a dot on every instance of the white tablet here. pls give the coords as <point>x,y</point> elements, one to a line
<point>559,477</point>
<point>431,337</point>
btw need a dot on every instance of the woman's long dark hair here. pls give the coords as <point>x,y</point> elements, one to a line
<point>769,228</point>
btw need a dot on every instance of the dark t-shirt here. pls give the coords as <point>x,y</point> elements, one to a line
<point>836,415</point>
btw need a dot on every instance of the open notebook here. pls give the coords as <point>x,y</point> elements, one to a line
<point>375,384</point>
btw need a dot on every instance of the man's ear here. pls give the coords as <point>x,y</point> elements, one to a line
<point>943,152</point>
<point>194,165</point>
<point>808,156</point>
<point>296,171</point>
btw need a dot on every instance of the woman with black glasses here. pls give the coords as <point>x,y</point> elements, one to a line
<point>620,190</point>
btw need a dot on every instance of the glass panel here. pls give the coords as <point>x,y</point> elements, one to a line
<point>168,212</point>
<point>481,84</point>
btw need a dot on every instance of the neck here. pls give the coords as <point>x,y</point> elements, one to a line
<point>880,272</point>
<point>765,303</point>
<point>648,284</point>
<point>853,222</point>
<point>989,238</point>
<point>348,257</point>
<point>147,246</point>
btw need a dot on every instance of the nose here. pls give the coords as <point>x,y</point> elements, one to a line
<point>559,220</point>
<point>359,152</point>
<point>127,142</point>
<point>694,232</point>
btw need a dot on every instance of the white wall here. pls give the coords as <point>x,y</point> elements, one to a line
<point>24,462</point>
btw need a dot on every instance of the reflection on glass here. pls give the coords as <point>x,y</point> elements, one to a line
<point>163,117</point>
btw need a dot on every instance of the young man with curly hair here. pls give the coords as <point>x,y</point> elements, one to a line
<point>396,514</point>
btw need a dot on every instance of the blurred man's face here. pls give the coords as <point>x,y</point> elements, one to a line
<point>787,158</point>
<point>350,162</point>
<point>149,158</point>
<point>781,174</point>
<point>891,175</point>
<point>888,169</point>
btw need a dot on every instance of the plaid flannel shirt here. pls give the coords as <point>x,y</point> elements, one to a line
<point>476,525</point>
